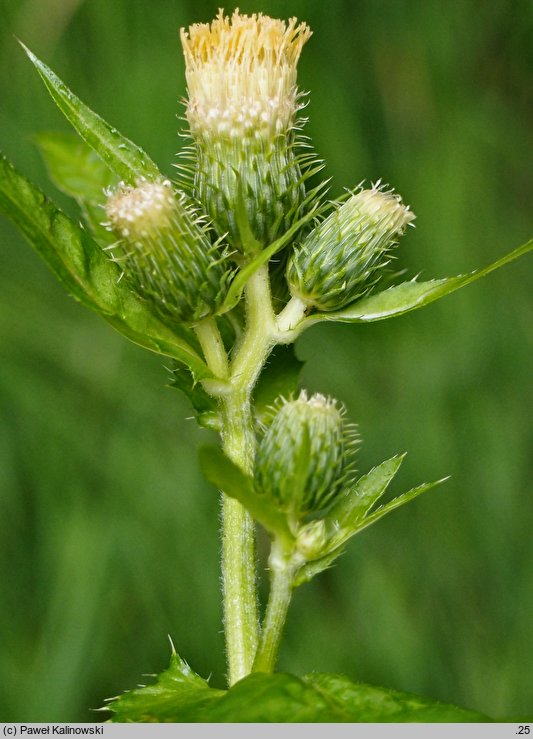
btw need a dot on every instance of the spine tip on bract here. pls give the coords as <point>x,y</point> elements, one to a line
<point>304,454</point>
<point>165,250</point>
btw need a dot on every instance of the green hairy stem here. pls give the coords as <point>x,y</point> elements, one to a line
<point>221,270</point>
<point>276,613</point>
<point>238,439</point>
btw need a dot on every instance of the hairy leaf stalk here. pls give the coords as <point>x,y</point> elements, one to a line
<point>276,613</point>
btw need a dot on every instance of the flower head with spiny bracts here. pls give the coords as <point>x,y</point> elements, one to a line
<point>385,209</point>
<point>166,250</point>
<point>342,258</point>
<point>305,455</point>
<point>248,170</point>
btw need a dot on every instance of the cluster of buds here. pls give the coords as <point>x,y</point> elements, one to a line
<point>165,251</point>
<point>342,257</point>
<point>303,458</point>
<point>242,108</point>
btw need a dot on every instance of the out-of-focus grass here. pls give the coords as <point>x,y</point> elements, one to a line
<point>108,533</point>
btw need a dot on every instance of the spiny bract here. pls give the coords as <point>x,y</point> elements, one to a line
<point>165,250</point>
<point>303,458</point>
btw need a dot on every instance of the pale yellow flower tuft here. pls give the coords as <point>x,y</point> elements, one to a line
<point>140,211</point>
<point>241,75</point>
<point>383,206</point>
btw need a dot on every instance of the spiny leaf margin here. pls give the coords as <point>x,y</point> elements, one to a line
<point>180,696</point>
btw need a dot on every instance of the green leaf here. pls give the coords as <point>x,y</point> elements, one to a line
<point>122,156</point>
<point>278,379</point>
<point>353,506</point>
<point>84,270</point>
<point>379,705</point>
<point>73,166</point>
<point>354,526</point>
<point>409,296</point>
<point>344,518</point>
<point>353,512</point>
<point>399,501</point>
<point>79,172</point>
<point>181,696</point>
<point>205,406</point>
<point>314,567</point>
<point>224,474</point>
<point>92,214</point>
<point>237,286</point>
<point>178,694</point>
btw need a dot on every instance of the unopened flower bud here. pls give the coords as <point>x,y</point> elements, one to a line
<point>311,539</point>
<point>340,260</point>
<point>165,251</point>
<point>241,108</point>
<point>301,459</point>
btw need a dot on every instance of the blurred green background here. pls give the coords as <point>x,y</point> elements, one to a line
<point>108,533</point>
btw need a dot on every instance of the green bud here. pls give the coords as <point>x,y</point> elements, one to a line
<point>340,260</point>
<point>242,111</point>
<point>301,461</point>
<point>312,539</point>
<point>165,251</point>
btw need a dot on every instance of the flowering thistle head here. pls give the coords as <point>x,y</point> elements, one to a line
<point>165,250</point>
<point>242,107</point>
<point>340,259</point>
<point>241,76</point>
<point>303,458</point>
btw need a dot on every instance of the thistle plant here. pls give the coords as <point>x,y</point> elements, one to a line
<point>222,268</point>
